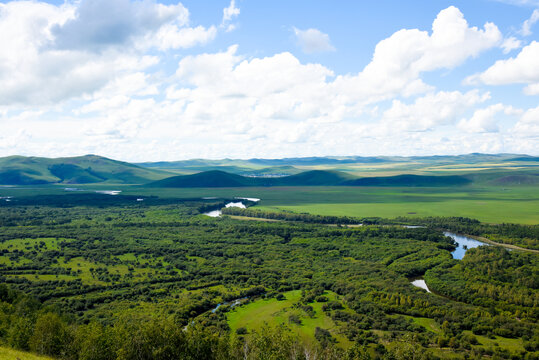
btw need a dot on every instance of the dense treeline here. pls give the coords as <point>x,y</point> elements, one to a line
<point>526,236</point>
<point>90,272</point>
<point>494,278</point>
<point>303,217</point>
<point>27,325</point>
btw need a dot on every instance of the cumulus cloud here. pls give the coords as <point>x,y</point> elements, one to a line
<point>173,37</point>
<point>399,60</point>
<point>520,69</point>
<point>431,110</point>
<point>52,53</point>
<point>313,41</point>
<point>99,24</point>
<point>532,89</point>
<point>528,125</point>
<point>128,103</point>
<point>486,120</point>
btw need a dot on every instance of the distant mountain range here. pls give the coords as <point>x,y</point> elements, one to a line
<point>333,160</point>
<point>310,171</point>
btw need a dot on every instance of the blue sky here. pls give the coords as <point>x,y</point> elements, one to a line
<point>167,80</point>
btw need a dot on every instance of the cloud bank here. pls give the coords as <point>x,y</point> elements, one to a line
<point>133,80</point>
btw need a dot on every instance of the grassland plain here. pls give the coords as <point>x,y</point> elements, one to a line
<point>492,204</point>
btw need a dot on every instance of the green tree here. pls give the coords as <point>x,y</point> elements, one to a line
<point>50,335</point>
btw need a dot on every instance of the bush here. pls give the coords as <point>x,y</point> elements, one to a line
<point>241,331</point>
<point>293,318</point>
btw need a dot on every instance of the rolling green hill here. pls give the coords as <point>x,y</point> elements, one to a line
<point>216,178</point>
<point>410,180</point>
<point>239,167</point>
<point>212,178</point>
<point>313,178</point>
<point>21,170</point>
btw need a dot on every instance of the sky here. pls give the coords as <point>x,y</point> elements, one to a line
<point>157,80</point>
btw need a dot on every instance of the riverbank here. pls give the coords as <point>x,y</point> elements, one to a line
<point>509,246</point>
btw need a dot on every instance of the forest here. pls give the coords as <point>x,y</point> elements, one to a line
<point>107,277</point>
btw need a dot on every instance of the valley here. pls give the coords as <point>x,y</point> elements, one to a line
<point>309,262</point>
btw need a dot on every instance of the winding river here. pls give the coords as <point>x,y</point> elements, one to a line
<point>463,243</point>
<point>239,204</point>
<point>420,283</point>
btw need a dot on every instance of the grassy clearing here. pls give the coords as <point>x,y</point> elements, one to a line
<point>254,315</point>
<point>513,345</point>
<point>429,324</point>
<point>10,354</point>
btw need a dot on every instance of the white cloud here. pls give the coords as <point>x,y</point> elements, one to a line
<point>125,103</point>
<point>313,41</point>
<point>486,120</point>
<point>399,60</point>
<point>532,89</point>
<point>53,53</point>
<point>97,24</point>
<point>528,125</point>
<point>521,2</point>
<point>430,111</point>
<point>527,25</point>
<point>174,37</point>
<point>229,13</point>
<point>523,68</point>
<point>510,44</point>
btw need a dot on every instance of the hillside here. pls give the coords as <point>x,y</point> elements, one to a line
<point>7,353</point>
<point>239,167</point>
<point>21,170</point>
<point>410,180</point>
<point>212,178</point>
<point>216,178</point>
<point>313,178</point>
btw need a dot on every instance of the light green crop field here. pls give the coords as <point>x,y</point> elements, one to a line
<point>252,316</point>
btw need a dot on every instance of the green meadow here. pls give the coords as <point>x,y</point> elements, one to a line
<point>254,315</point>
<point>491,204</point>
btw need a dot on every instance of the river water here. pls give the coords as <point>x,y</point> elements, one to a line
<point>420,283</point>
<point>464,243</point>
<point>217,213</point>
